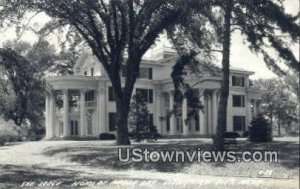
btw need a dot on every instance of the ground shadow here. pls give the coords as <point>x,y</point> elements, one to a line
<point>108,157</point>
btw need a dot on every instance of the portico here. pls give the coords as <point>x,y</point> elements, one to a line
<point>70,103</point>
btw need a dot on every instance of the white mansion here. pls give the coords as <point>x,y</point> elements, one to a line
<point>83,104</point>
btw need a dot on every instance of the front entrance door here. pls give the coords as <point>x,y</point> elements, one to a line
<point>74,127</point>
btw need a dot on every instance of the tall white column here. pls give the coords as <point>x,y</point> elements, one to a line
<point>98,120</point>
<point>184,117</point>
<point>52,114</point>
<point>258,106</point>
<point>214,111</point>
<point>54,120</point>
<point>254,108</point>
<point>66,113</point>
<point>201,113</point>
<point>82,127</point>
<point>158,107</point>
<point>172,117</point>
<point>47,116</point>
<point>102,110</point>
<point>209,115</point>
<point>248,111</point>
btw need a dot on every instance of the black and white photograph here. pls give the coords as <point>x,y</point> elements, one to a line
<point>143,94</point>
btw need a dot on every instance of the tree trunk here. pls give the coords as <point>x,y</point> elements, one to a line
<point>122,120</point>
<point>279,127</point>
<point>271,118</point>
<point>222,112</point>
<point>137,127</point>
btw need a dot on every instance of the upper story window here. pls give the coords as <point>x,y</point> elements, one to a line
<point>238,81</point>
<point>238,100</point>
<point>89,96</point>
<point>92,71</point>
<point>111,94</point>
<point>145,73</point>
<point>146,94</point>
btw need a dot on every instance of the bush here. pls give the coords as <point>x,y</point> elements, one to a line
<point>107,136</point>
<point>8,132</point>
<point>2,141</point>
<point>260,130</point>
<point>231,135</point>
<point>246,134</point>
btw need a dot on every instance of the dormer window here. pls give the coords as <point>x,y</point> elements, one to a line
<point>238,81</point>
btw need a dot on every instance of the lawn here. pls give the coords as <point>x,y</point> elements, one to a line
<point>95,164</point>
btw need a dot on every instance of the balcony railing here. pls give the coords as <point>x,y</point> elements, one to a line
<point>90,104</point>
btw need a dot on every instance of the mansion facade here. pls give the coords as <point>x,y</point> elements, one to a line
<point>83,104</point>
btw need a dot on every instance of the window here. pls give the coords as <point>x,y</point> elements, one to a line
<point>92,71</point>
<point>85,73</point>
<point>61,129</point>
<point>145,73</point>
<point>74,127</point>
<point>178,123</point>
<point>238,123</point>
<point>89,96</point>
<point>146,94</point>
<point>168,124</point>
<point>238,81</point>
<point>112,118</point>
<point>150,73</point>
<point>197,124</point>
<point>89,126</point>
<point>111,94</point>
<point>238,100</point>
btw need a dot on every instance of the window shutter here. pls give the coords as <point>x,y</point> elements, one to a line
<point>243,82</point>
<point>111,94</point>
<point>233,81</point>
<point>150,100</point>
<point>150,73</point>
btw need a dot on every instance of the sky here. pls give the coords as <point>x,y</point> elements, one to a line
<point>241,56</point>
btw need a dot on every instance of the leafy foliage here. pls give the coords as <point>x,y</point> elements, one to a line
<point>113,29</point>
<point>22,84</point>
<point>260,130</point>
<point>139,116</point>
<point>278,102</point>
<point>262,23</point>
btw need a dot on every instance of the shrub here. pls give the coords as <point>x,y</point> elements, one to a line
<point>246,134</point>
<point>107,136</point>
<point>260,130</point>
<point>2,141</point>
<point>8,132</point>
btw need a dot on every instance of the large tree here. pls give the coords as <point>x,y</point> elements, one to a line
<point>263,23</point>
<point>278,103</point>
<point>22,89</point>
<point>118,32</point>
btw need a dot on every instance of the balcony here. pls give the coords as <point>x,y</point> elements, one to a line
<point>90,104</point>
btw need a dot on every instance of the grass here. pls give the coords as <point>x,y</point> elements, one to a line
<point>70,161</point>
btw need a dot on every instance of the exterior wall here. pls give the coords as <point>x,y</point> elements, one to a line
<point>162,85</point>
